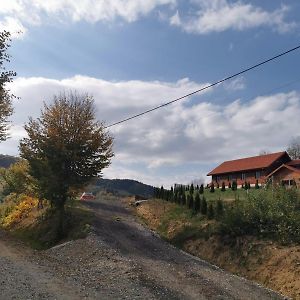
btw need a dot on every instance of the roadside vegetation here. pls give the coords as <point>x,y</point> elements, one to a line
<point>272,212</point>
<point>255,235</point>
<point>33,220</point>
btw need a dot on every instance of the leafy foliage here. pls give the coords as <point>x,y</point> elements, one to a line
<point>66,147</point>
<point>271,213</point>
<point>5,77</point>
<point>16,179</point>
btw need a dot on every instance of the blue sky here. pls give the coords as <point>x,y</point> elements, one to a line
<point>135,54</point>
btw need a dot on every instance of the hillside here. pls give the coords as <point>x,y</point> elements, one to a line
<point>123,187</point>
<point>7,160</point>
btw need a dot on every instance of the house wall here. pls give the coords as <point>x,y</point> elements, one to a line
<point>240,177</point>
<point>286,174</point>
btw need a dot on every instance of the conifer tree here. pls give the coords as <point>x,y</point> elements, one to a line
<point>203,206</point>
<point>219,208</point>
<point>191,201</point>
<point>256,184</point>
<point>234,186</point>
<point>229,185</point>
<point>197,203</point>
<point>201,190</point>
<point>192,189</point>
<point>223,189</point>
<point>210,211</point>
<point>162,193</point>
<point>212,188</point>
<point>183,199</point>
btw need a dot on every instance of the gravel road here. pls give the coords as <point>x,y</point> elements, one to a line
<point>120,260</point>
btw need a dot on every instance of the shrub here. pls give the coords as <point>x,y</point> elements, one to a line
<point>190,201</point>
<point>219,208</point>
<point>197,203</point>
<point>210,211</point>
<point>203,206</point>
<point>212,188</point>
<point>234,186</point>
<point>201,190</point>
<point>183,199</point>
<point>269,213</point>
<point>256,185</point>
<point>223,189</point>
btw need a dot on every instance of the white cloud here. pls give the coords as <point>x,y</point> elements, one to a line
<point>36,12</point>
<point>235,84</point>
<point>182,134</point>
<point>222,15</point>
<point>14,26</point>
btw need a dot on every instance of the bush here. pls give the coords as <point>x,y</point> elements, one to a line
<point>201,190</point>
<point>210,211</point>
<point>234,186</point>
<point>190,201</point>
<point>203,206</point>
<point>197,203</point>
<point>219,208</point>
<point>223,189</point>
<point>268,213</point>
<point>212,188</point>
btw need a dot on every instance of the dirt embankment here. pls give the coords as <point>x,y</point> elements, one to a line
<point>273,265</point>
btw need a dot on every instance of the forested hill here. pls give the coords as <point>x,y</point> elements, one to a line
<point>123,187</point>
<point>7,160</point>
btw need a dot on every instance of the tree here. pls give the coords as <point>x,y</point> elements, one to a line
<point>256,185</point>
<point>201,190</point>
<point>210,211</point>
<point>183,199</point>
<point>192,189</point>
<point>203,206</point>
<point>294,148</point>
<point>190,201</point>
<point>197,203</point>
<point>5,77</point>
<point>16,179</point>
<point>66,147</point>
<point>212,188</point>
<point>219,208</point>
<point>223,189</point>
<point>234,185</point>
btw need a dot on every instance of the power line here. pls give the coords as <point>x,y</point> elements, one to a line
<point>206,87</point>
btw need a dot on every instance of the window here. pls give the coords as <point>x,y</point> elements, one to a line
<point>243,176</point>
<point>218,178</point>
<point>257,174</point>
<point>230,178</point>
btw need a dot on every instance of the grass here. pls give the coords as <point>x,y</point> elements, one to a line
<point>186,224</point>
<point>228,195</point>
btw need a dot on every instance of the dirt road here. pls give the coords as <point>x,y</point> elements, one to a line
<point>120,260</point>
<point>171,273</point>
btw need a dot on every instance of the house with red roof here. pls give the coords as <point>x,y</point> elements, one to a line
<point>278,167</point>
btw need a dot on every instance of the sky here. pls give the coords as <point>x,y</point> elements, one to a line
<point>133,55</point>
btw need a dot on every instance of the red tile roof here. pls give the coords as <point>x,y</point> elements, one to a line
<point>294,162</point>
<point>249,163</point>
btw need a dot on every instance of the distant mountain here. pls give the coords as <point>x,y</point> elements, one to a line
<point>7,160</point>
<point>123,187</point>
